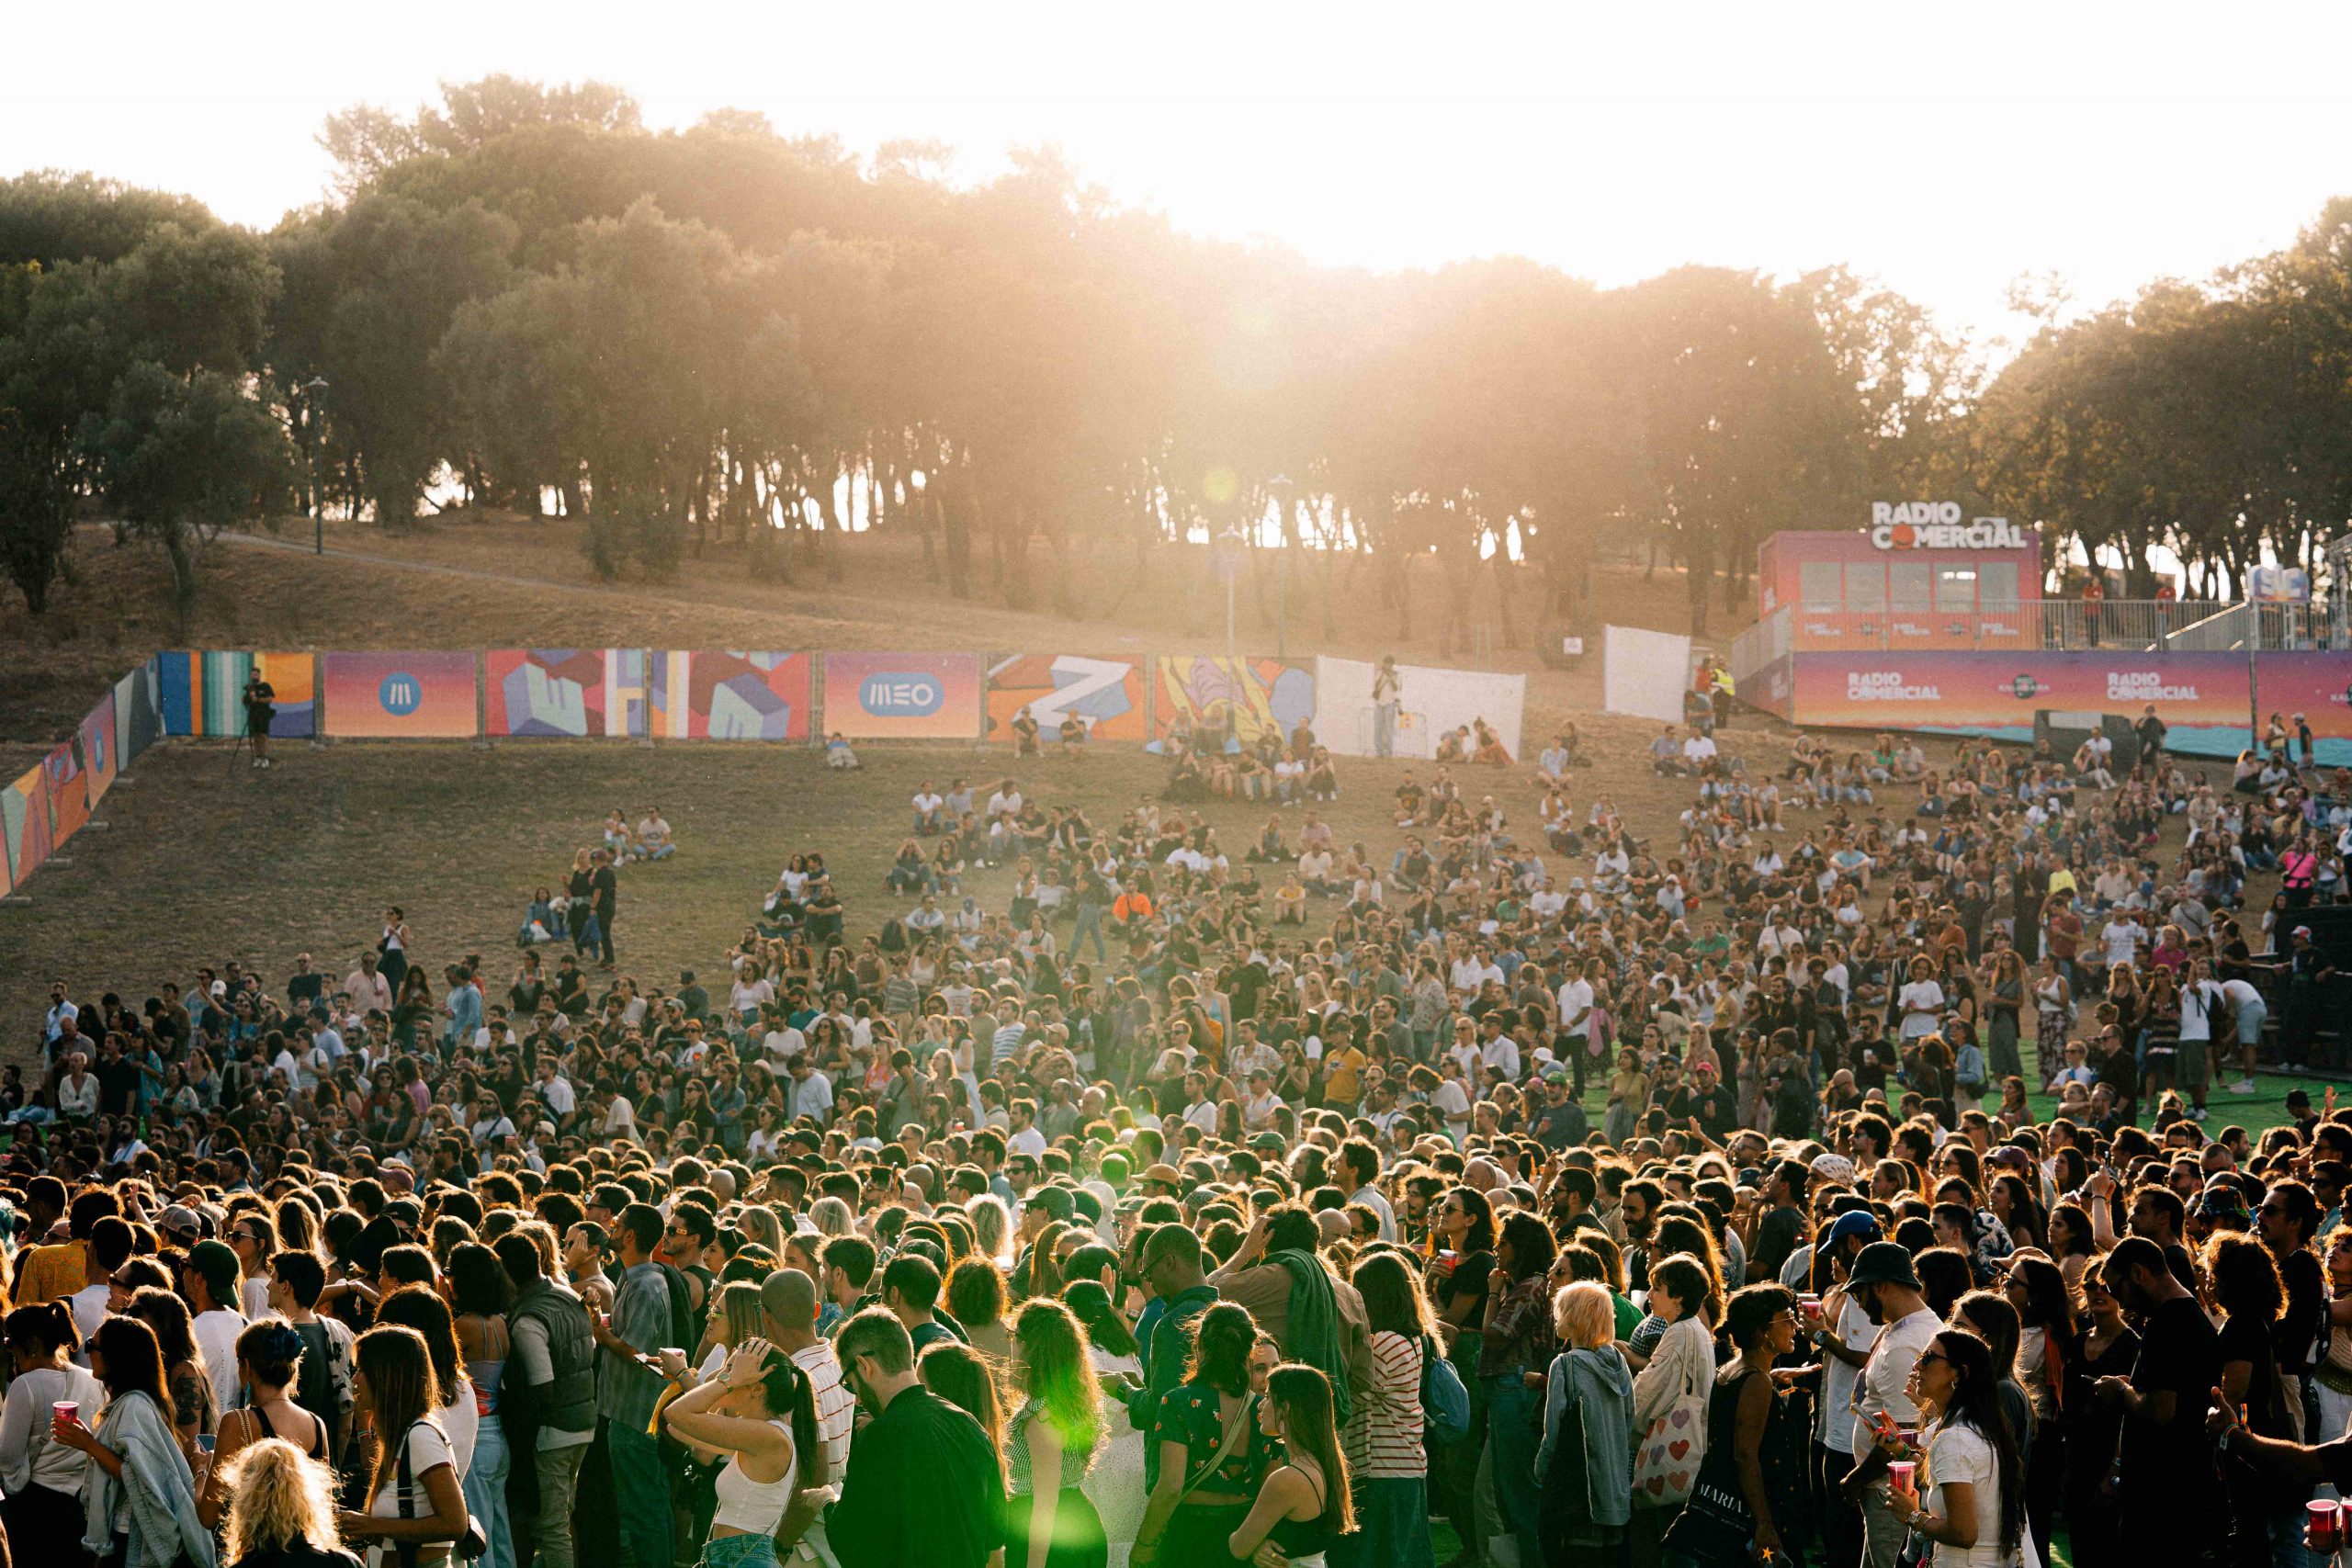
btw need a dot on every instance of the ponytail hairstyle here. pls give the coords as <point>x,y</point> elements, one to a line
<point>43,1330</point>
<point>1976,1402</point>
<point>792,1397</point>
<point>1223,1336</point>
<point>1302,1394</point>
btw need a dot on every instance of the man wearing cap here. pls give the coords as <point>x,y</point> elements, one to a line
<point>1160,1180</point>
<point>212,1290</point>
<point>1886,1287</point>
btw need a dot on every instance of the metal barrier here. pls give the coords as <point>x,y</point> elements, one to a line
<point>2061,624</point>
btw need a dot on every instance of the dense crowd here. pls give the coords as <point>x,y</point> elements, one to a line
<point>1120,1223</point>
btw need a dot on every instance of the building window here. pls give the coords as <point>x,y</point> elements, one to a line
<point>1817,585</point>
<point>1908,583</point>
<point>1866,585</point>
<point>1997,585</point>
<point>1956,588</point>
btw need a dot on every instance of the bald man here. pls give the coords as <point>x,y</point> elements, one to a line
<point>788,1302</point>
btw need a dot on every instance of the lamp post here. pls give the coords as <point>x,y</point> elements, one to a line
<point>309,392</point>
<point>1283,491</point>
<point>1228,561</point>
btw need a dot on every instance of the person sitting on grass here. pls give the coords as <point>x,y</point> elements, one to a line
<point>1025,733</point>
<point>1322,777</point>
<point>1489,747</point>
<point>653,838</point>
<point>1290,899</point>
<point>1073,732</point>
<point>837,752</point>
<point>619,837</point>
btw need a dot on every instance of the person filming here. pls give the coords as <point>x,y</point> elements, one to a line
<point>261,707</point>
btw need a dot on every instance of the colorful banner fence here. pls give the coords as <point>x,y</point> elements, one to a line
<point>1240,698</point>
<point>24,821</point>
<point>928,696</point>
<point>402,696</point>
<point>2201,697</point>
<point>557,691</point>
<point>738,694</point>
<point>203,693</point>
<point>138,713</point>
<point>1107,694</point>
<point>68,793</point>
<point>98,763</point>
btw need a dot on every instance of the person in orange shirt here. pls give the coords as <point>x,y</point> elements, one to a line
<point>1132,907</point>
<point>53,1272</point>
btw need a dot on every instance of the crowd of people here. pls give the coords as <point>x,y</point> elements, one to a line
<point>1595,1203</point>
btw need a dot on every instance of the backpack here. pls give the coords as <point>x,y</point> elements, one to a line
<point>1445,1403</point>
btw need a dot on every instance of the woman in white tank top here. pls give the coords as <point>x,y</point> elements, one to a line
<point>759,1412</point>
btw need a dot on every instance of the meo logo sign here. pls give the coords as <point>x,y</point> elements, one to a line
<point>901,696</point>
<point>401,693</point>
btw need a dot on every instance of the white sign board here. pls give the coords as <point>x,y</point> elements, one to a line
<point>1644,673</point>
<point>1431,702</point>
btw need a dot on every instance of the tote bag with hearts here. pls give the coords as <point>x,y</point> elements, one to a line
<point>1666,1461</point>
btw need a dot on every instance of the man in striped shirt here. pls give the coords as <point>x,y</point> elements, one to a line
<point>788,1301</point>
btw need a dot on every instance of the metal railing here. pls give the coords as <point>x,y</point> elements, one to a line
<point>2066,624</point>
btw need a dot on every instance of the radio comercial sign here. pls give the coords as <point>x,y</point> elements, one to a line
<point>1937,526</point>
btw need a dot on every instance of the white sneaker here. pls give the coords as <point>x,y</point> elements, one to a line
<point>2244,1085</point>
<point>2197,1114</point>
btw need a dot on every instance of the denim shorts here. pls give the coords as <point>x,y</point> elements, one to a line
<point>739,1552</point>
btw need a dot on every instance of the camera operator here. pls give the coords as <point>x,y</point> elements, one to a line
<point>260,709</point>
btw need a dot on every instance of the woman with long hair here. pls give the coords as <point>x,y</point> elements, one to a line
<point>143,1483</point>
<point>416,1500</point>
<point>1212,1456</point>
<point>1752,1482</point>
<point>1974,1473</point>
<point>1383,1439</point>
<point>1116,1483</point>
<point>2243,1285</point>
<point>421,1307</point>
<point>2046,1343</point>
<point>962,1377</point>
<point>761,1412</point>
<point>480,1293</point>
<point>1051,1442</point>
<point>1516,1340</point>
<point>1303,1505</point>
<point>282,1511</point>
<point>44,1478</point>
<point>2107,1346</point>
<point>191,1386</point>
<point>268,1354</point>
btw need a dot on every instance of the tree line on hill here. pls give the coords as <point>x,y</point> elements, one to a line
<point>706,339</point>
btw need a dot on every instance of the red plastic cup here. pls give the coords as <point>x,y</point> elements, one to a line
<point>2323,1528</point>
<point>1810,1307</point>
<point>66,1409</point>
<point>1902,1476</point>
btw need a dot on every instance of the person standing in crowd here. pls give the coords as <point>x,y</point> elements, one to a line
<point>1751,1494</point>
<point>1681,1365</point>
<point>1584,1467</point>
<point>267,1355</point>
<point>758,1412</point>
<point>547,1394</point>
<point>44,1478</point>
<point>2163,1456</point>
<point>1303,1505</point>
<point>138,1497</point>
<point>1050,1444</point>
<point>283,1513</point>
<point>1886,1285</point>
<point>1212,1454</point>
<point>1383,1442</point>
<point>1515,1340</point>
<point>416,1503</point>
<point>1972,1473</point>
<point>925,1483</point>
<point>641,1324</point>
<point>479,1294</point>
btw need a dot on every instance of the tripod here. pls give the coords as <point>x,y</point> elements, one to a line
<point>243,748</point>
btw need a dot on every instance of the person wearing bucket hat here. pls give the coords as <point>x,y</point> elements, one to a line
<point>1885,1285</point>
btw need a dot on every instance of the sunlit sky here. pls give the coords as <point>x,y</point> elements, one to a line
<point>1943,150</point>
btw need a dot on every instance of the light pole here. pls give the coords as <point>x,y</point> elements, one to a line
<point>1280,485</point>
<point>309,391</point>
<point>1229,560</point>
